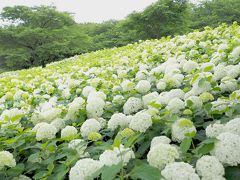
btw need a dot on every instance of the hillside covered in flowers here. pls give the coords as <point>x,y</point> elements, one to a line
<point>158,109</point>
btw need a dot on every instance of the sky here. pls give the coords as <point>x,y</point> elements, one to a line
<point>88,10</point>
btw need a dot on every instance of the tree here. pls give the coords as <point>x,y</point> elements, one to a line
<point>163,18</point>
<point>214,12</point>
<point>39,35</point>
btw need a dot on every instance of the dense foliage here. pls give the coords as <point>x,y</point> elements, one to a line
<point>40,35</point>
<point>165,108</point>
<point>214,12</point>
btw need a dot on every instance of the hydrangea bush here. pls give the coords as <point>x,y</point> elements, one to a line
<point>157,109</point>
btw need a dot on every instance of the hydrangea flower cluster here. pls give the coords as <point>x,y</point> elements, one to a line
<point>158,104</point>
<point>161,154</point>
<point>6,159</point>
<point>117,155</point>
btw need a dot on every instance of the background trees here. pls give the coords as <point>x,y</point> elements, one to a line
<point>39,35</point>
<point>214,12</point>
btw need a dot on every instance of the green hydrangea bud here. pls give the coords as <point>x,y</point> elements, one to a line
<point>206,96</point>
<point>185,123</point>
<point>9,95</point>
<point>187,112</point>
<point>78,91</point>
<point>94,136</point>
<point>127,132</point>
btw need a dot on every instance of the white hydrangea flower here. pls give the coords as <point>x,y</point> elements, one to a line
<point>121,73</point>
<point>74,108</point>
<point>37,126</point>
<point>84,169</point>
<point>222,47</point>
<point>208,66</point>
<point>11,116</point>
<point>118,99</point>
<point>6,159</point>
<point>68,131</point>
<point>86,90</point>
<point>95,106</point>
<point>160,139</point>
<point>116,88</point>
<point>132,105</point>
<point>174,81</point>
<point>58,123</point>
<point>141,75</point>
<point>127,85</point>
<point>79,145</point>
<point>141,122</point>
<point>219,72</point>
<point>47,113</point>
<point>233,71</point>
<point>228,84</point>
<point>175,93</point>
<point>102,122</point>
<point>183,128</point>
<point>197,89</point>
<point>196,102</point>
<point>179,171</point>
<point>148,98</point>
<point>213,130</point>
<point>209,166</point>
<point>143,86</point>
<point>90,125</point>
<point>115,156</point>
<point>175,105</point>
<point>161,85</point>
<point>220,105</point>
<point>213,178</point>
<point>161,155</point>
<point>152,111</point>
<point>94,82</point>
<point>45,131</point>
<point>189,66</point>
<point>227,149</point>
<point>162,99</point>
<point>118,119</point>
<point>21,177</point>
<point>74,143</point>
<point>233,126</point>
<point>66,93</point>
<point>234,55</point>
<point>92,95</point>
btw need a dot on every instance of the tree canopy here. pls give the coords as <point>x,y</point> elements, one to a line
<point>39,35</point>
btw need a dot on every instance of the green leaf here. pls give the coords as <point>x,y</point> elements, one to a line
<point>132,140</point>
<point>40,175</point>
<point>207,107</point>
<point>143,149</point>
<point>17,170</point>
<point>145,172</point>
<point>34,158</point>
<point>195,77</point>
<point>189,103</point>
<point>232,173</point>
<point>208,68</point>
<point>110,172</point>
<point>60,172</point>
<point>185,145</point>
<point>205,147</point>
<point>117,140</point>
<point>201,82</point>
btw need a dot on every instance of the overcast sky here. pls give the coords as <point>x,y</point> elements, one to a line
<point>88,10</point>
